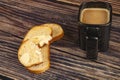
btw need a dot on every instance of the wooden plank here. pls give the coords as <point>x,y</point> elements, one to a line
<point>71,20</point>
<point>68,62</point>
<point>115,3</point>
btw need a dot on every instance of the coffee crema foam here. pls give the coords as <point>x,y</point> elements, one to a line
<point>94,16</point>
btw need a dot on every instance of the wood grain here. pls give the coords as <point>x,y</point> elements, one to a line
<point>68,62</point>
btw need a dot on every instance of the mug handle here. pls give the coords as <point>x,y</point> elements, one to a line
<point>92,47</point>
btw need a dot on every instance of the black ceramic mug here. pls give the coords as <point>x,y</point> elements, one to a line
<point>94,27</point>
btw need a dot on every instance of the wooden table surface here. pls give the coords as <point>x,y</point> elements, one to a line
<point>68,62</point>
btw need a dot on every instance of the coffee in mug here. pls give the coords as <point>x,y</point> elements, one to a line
<point>94,16</point>
<point>94,27</point>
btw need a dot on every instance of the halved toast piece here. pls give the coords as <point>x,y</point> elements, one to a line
<point>31,51</point>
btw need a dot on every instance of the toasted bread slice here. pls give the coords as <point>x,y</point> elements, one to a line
<point>57,31</point>
<point>31,51</point>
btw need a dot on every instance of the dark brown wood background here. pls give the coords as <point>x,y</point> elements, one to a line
<point>68,62</point>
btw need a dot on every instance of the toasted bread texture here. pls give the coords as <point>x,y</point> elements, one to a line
<point>39,68</point>
<point>31,51</point>
<point>30,54</point>
<point>37,31</point>
<point>57,31</point>
<point>34,53</point>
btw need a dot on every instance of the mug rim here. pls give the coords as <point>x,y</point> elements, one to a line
<point>109,7</point>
